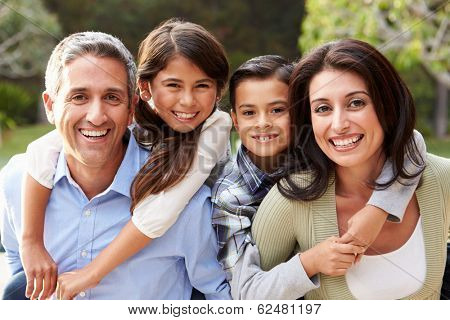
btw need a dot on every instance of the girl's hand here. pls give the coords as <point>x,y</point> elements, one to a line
<point>40,269</point>
<point>329,257</point>
<point>73,283</point>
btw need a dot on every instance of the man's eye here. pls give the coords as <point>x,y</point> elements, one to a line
<point>322,108</point>
<point>112,97</point>
<point>78,98</point>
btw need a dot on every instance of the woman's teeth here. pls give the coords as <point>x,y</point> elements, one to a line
<point>346,142</point>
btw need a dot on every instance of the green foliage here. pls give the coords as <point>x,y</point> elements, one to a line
<point>28,34</point>
<point>16,105</point>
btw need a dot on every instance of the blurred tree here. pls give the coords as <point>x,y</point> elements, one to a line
<point>27,36</point>
<point>246,28</point>
<point>410,32</point>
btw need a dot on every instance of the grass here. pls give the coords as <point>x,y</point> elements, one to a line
<point>16,141</point>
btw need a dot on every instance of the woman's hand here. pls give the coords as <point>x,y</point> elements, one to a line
<point>329,257</point>
<point>73,283</point>
<point>40,269</point>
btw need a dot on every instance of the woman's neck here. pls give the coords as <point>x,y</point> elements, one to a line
<point>355,181</point>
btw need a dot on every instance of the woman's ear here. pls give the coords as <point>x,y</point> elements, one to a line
<point>144,90</point>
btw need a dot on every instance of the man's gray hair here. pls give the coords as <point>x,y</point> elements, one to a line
<point>98,44</point>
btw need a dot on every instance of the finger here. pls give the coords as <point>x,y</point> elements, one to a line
<point>37,286</point>
<point>47,285</point>
<point>30,285</point>
<point>348,248</point>
<point>358,258</point>
<point>53,281</point>
<point>346,238</point>
<point>58,291</point>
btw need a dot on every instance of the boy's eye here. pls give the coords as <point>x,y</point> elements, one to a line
<point>248,113</point>
<point>357,103</point>
<point>322,108</point>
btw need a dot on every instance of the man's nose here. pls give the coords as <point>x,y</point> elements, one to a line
<point>96,113</point>
<point>340,121</point>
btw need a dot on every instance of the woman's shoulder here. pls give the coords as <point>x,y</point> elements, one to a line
<point>439,166</point>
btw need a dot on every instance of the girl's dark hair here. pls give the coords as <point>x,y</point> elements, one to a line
<point>393,103</point>
<point>172,152</point>
<point>261,67</point>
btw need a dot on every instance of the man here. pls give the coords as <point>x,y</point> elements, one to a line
<point>90,85</point>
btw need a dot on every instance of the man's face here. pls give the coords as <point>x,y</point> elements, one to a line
<point>92,110</point>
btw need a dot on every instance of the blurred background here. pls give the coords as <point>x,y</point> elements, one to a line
<point>413,34</point>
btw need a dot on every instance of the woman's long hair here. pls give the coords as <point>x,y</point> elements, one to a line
<point>172,152</point>
<point>393,104</point>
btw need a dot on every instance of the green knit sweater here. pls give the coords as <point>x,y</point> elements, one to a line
<point>283,227</point>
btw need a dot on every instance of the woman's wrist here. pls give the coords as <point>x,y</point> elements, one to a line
<point>307,261</point>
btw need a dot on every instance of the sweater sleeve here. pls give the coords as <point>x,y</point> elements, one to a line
<point>42,158</point>
<point>157,213</point>
<point>396,197</point>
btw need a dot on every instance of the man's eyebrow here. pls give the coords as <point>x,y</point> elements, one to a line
<point>114,89</point>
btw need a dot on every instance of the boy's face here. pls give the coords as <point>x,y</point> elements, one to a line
<point>261,118</point>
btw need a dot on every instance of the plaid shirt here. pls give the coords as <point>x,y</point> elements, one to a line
<point>237,195</point>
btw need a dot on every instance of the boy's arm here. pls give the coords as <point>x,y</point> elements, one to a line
<point>391,203</point>
<point>40,269</point>
<point>157,213</point>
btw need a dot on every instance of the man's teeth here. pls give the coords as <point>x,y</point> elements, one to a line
<point>94,133</point>
<point>183,115</point>
<point>345,142</point>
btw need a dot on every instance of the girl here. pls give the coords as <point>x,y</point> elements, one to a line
<point>182,72</point>
<point>361,114</point>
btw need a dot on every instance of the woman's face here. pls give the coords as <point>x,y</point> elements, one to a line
<point>343,118</point>
<point>183,95</point>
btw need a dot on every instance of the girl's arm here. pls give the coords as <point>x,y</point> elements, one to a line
<point>155,214</point>
<point>391,203</point>
<point>40,269</point>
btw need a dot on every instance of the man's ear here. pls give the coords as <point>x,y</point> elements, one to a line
<point>235,120</point>
<point>48,103</point>
<point>134,101</point>
<point>144,90</point>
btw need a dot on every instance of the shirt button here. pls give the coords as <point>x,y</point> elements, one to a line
<point>87,213</point>
<point>84,253</point>
<point>82,294</point>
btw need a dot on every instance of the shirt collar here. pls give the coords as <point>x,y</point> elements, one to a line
<point>128,169</point>
<point>253,176</point>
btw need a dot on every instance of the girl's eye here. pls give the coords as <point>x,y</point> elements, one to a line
<point>357,103</point>
<point>248,113</point>
<point>278,110</point>
<point>322,108</point>
<point>173,85</point>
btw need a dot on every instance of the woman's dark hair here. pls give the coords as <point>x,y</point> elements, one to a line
<point>391,98</point>
<point>172,152</point>
<point>261,67</point>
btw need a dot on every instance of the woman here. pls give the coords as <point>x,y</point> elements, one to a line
<point>361,114</point>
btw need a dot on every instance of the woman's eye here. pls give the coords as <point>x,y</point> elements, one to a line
<point>322,108</point>
<point>357,103</point>
<point>203,85</point>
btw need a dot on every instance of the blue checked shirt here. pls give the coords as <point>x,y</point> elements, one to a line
<point>236,196</point>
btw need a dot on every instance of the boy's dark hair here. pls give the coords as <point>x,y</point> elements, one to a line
<point>261,67</point>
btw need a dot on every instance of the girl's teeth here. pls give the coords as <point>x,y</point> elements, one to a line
<point>185,115</point>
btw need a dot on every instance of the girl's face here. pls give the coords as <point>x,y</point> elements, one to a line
<point>262,119</point>
<point>343,117</point>
<point>183,95</point>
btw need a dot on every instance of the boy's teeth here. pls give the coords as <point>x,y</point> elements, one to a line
<point>94,133</point>
<point>264,138</point>
<point>185,115</point>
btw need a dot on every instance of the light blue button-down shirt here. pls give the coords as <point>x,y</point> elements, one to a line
<point>77,229</point>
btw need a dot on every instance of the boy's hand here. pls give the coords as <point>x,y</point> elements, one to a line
<point>329,257</point>
<point>73,283</point>
<point>40,269</point>
<point>364,227</point>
